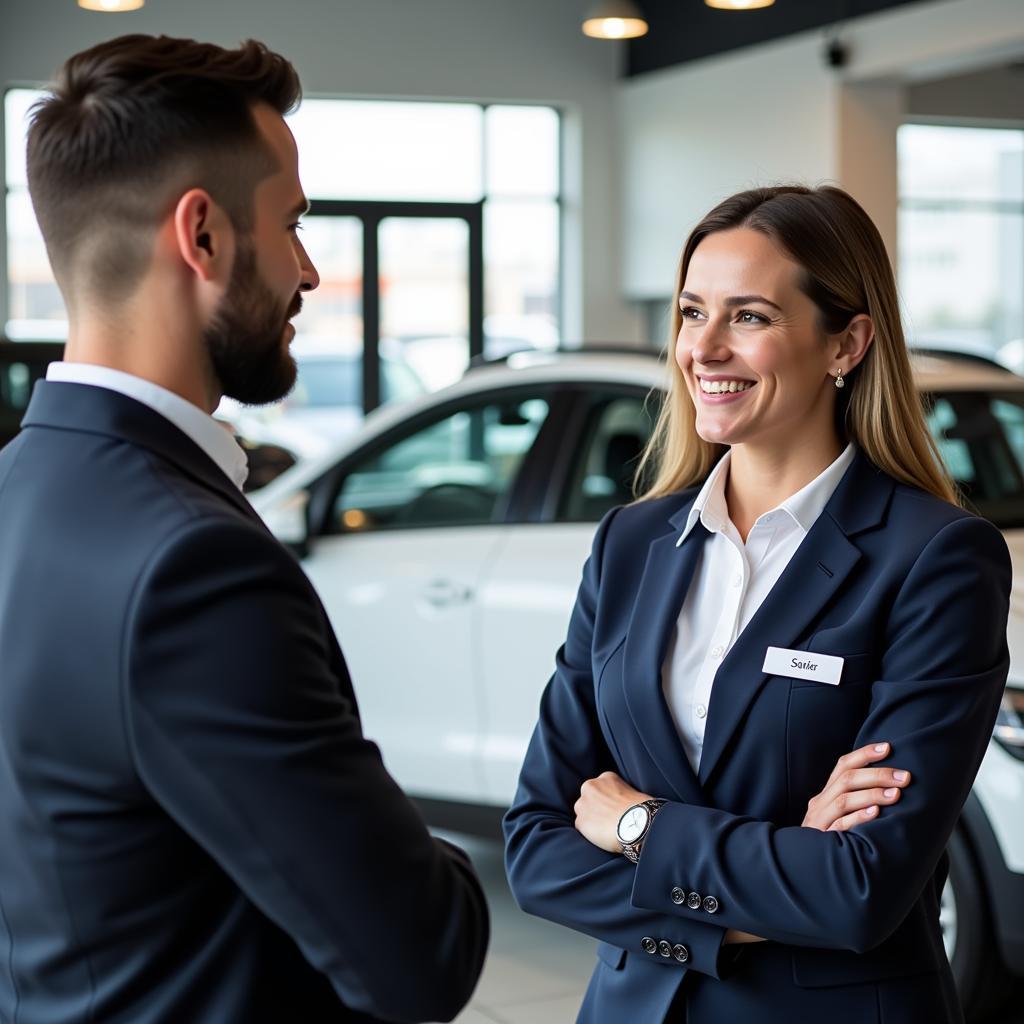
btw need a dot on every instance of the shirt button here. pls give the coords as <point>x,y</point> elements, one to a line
<point>648,945</point>
<point>737,580</point>
<point>717,652</point>
<point>700,711</point>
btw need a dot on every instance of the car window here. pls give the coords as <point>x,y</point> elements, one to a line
<point>456,470</point>
<point>603,476</point>
<point>981,440</point>
<point>327,383</point>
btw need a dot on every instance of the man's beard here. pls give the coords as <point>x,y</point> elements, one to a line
<point>245,338</point>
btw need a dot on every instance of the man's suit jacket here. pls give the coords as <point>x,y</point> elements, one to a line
<point>913,594</point>
<point>192,826</point>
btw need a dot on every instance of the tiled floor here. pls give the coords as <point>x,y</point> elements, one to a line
<point>536,971</point>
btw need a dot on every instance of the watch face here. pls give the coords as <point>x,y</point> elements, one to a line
<point>633,823</point>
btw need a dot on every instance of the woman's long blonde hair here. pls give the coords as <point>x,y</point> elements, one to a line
<point>846,272</point>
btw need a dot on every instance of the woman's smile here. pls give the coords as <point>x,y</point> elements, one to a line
<point>717,390</point>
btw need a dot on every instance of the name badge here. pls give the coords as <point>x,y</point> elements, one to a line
<point>822,668</point>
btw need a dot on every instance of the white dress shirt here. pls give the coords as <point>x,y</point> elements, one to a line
<point>197,425</point>
<point>730,582</point>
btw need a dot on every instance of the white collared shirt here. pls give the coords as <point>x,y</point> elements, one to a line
<point>730,582</point>
<point>199,426</point>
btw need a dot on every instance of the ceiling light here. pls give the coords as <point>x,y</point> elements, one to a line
<point>615,19</point>
<point>111,6</point>
<point>739,5</point>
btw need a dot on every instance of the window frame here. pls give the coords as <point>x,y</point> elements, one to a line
<point>320,207</point>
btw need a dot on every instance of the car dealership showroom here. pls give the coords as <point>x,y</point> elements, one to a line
<point>495,329</point>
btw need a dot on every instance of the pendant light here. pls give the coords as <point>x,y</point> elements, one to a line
<point>614,19</point>
<point>738,5</point>
<point>111,6</point>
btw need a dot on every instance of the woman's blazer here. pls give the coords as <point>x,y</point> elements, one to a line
<point>912,593</point>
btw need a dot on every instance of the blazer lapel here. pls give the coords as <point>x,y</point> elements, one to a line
<point>817,570</point>
<point>82,407</point>
<point>666,579</point>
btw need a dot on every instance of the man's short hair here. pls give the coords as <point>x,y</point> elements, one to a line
<point>131,125</point>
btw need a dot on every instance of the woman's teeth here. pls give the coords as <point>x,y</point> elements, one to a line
<point>720,387</point>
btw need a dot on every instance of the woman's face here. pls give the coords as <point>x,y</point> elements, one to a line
<point>751,348</point>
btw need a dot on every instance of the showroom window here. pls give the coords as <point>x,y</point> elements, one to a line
<point>435,228</point>
<point>961,237</point>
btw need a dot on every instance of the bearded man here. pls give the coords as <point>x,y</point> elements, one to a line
<point>193,827</point>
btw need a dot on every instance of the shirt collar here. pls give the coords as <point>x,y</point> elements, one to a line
<point>709,506</point>
<point>200,427</point>
<point>804,507</point>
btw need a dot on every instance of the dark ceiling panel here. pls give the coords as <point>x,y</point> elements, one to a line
<point>684,30</point>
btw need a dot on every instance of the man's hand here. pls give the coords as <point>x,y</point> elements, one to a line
<point>602,802</point>
<point>854,792</point>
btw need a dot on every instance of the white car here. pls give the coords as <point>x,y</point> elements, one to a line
<point>447,536</point>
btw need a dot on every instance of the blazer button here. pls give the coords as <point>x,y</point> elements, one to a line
<point>678,896</point>
<point>693,901</point>
<point>648,945</point>
<point>665,948</point>
<point>680,952</point>
<point>710,904</point>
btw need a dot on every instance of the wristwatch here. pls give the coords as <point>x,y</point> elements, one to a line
<point>634,825</point>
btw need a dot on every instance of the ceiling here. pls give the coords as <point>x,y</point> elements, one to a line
<point>686,30</point>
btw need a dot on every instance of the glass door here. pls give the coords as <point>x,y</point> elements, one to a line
<point>422,292</point>
<point>424,299</point>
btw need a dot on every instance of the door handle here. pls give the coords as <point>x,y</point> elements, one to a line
<point>443,593</point>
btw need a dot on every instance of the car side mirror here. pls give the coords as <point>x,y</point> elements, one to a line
<point>288,521</point>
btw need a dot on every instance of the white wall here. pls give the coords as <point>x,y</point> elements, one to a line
<point>526,50</point>
<point>693,134</point>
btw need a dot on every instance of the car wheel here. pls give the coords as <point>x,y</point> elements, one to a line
<point>982,981</point>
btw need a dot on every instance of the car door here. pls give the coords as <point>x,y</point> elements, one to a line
<point>529,591</point>
<point>413,522</point>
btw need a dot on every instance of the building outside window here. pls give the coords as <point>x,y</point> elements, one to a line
<point>961,238</point>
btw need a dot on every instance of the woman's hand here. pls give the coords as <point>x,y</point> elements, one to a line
<point>602,802</point>
<point>854,792</point>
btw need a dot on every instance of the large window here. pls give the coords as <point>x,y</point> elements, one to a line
<point>435,228</point>
<point>961,237</point>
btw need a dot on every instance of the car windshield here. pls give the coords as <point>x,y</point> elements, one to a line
<point>981,439</point>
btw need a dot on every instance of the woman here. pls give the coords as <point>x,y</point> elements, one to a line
<point>777,685</point>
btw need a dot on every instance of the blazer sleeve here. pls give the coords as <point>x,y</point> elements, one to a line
<point>554,872</point>
<point>942,677</point>
<point>241,731</point>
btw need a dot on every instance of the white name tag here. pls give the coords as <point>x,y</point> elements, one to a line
<point>822,668</point>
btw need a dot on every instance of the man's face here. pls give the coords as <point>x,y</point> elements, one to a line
<point>247,339</point>
<point>248,336</point>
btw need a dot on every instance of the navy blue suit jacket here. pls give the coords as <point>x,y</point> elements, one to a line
<point>913,594</point>
<point>193,827</point>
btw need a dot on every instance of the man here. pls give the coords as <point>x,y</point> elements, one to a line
<point>192,826</point>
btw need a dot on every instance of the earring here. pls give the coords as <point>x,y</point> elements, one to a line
<point>840,383</point>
